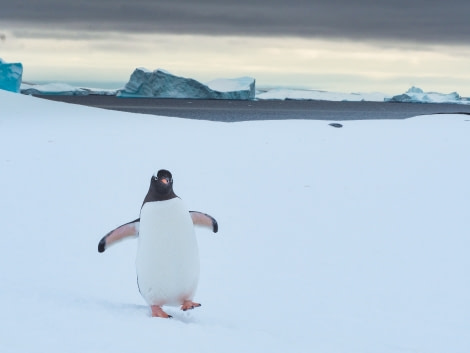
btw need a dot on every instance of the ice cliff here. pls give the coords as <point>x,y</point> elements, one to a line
<point>162,84</point>
<point>11,75</point>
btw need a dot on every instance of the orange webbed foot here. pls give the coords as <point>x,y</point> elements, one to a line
<point>157,311</point>
<point>189,305</point>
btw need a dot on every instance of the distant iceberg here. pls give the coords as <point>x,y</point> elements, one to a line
<point>417,95</point>
<point>11,75</point>
<point>62,89</point>
<point>162,84</point>
<point>143,84</point>
<point>307,94</point>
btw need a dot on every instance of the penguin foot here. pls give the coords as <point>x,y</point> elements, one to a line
<point>157,311</point>
<point>189,305</point>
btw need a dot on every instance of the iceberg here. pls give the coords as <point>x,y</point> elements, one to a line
<point>162,84</point>
<point>311,94</point>
<point>62,89</point>
<point>417,95</point>
<point>11,75</point>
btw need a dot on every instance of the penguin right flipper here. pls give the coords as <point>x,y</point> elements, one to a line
<point>204,220</point>
<point>130,229</point>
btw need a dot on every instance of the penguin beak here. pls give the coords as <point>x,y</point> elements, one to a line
<point>165,180</point>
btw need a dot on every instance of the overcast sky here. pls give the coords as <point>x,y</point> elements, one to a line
<point>360,26</point>
<point>413,20</point>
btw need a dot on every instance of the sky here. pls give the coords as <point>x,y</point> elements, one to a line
<point>339,45</point>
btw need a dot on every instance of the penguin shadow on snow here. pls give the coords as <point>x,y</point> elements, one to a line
<point>142,311</point>
<point>186,317</point>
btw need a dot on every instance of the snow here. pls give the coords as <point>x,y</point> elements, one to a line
<point>162,84</point>
<point>10,76</point>
<point>330,240</point>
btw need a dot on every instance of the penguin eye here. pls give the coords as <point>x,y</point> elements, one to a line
<point>156,178</point>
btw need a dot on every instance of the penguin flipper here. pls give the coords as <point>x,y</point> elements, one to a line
<point>130,229</point>
<point>204,220</point>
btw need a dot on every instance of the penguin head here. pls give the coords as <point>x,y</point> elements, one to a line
<point>162,182</point>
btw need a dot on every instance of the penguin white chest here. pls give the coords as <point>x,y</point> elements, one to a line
<point>167,260</point>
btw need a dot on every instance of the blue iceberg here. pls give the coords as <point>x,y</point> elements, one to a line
<point>11,75</point>
<point>162,84</point>
<point>417,95</point>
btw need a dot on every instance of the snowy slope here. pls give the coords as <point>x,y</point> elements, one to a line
<point>330,240</point>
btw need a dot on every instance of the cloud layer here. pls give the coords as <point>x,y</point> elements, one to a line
<point>417,21</point>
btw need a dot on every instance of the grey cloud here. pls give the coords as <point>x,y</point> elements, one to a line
<point>397,20</point>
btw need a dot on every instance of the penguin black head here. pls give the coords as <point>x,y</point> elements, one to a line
<point>162,183</point>
<point>163,173</point>
<point>161,187</point>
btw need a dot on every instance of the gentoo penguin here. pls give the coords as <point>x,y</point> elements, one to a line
<point>167,261</point>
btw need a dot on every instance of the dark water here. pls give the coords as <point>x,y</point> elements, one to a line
<point>231,110</point>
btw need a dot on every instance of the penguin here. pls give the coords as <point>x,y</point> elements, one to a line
<point>167,260</point>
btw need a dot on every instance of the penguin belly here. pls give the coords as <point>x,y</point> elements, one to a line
<point>167,260</point>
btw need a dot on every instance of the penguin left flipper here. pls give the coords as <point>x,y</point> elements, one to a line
<point>204,220</point>
<point>130,229</point>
